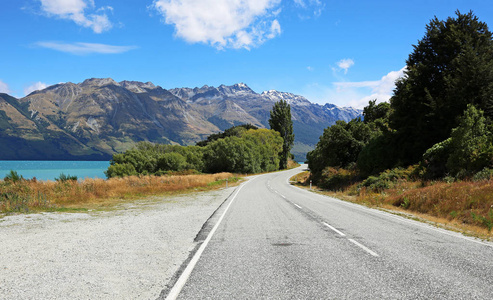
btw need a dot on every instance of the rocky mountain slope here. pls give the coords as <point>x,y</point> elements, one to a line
<point>98,117</point>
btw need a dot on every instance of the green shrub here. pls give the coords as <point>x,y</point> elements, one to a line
<point>376,156</point>
<point>387,179</point>
<point>485,174</point>
<point>63,178</point>
<point>13,176</point>
<point>172,161</point>
<point>435,160</point>
<point>232,154</point>
<point>340,145</point>
<point>472,148</point>
<point>337,179</point>
<point>120,170</point>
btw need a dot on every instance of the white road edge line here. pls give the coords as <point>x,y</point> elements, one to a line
<point>297,205</point>
<point>340,233</point>
<point>180,283</point>
<point>402,219</point>
<point>363,247</point>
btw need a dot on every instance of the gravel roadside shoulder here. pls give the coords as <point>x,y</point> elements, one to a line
<point>128,253</point>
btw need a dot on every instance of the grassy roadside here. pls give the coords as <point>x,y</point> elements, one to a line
<point>25,196</point>
<point>465,206</point>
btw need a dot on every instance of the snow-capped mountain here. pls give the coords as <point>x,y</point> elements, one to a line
<point>98,117</point>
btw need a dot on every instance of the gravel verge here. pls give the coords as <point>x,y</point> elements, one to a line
<point>128,253</point>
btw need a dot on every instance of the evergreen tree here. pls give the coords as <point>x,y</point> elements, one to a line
<point>280,121</point>
<point>451,67</point>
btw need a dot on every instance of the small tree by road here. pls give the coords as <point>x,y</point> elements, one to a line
<point>280,121</point>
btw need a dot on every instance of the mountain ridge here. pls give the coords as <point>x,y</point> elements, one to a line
<point>99,117</point>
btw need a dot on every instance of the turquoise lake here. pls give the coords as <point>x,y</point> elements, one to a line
<point>49,170</point>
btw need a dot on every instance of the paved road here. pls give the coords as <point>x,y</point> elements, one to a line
<point>277,241</point>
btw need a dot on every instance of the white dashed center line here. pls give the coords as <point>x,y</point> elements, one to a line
<point>340,233</point>
<point>363,247</point>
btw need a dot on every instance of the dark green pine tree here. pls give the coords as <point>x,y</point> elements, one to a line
<point>280,121</point>
<point>451,67</point>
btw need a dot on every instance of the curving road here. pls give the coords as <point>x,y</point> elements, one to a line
<point>276,241</point>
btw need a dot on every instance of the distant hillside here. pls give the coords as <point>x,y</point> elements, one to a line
<point>98,117</point>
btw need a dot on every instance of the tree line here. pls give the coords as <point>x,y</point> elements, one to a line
<point>439,117</point>
<point>239,149</point>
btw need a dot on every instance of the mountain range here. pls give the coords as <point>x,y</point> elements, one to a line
<point>98,117</point>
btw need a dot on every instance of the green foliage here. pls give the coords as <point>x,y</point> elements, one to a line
<point>337,179</point>
<point>242,151</point>
<point>386,179</point>
<point>253,151</point>
<point>269,144</point>
<point>171,161</point>
<point>148,158</point>
<point>280,121</point>
<point>485,174</point>
<point>374,112</point>
<point>448,69</point>
<point>13,176</point>
<point>232,154</point>
<point>377,156</point>
<point>340,145</point>
<point>435,160</point>
<point>467,152</point>
<point>485,221</point>
<point>233,131</point>
<point>471,146</point>
<point>120,170</point>
<point>64,178</point>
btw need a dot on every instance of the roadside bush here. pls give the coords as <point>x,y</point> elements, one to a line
<point>376,156</point>
<point>269,143</point>
<point>232,154</point>
<point>120,170</point>
<point>337,179</point>
<point>472,148</point>
<point>172,161</point>
<point>148,158</point>
<point>435,159</point>
<point>485,174</point>
<point>387,179</point>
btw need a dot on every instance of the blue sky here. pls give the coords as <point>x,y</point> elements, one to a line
<point>342,52</point>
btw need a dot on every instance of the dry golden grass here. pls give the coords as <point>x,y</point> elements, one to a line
<point>301,178</point>
<point>292,164</point>
<point>28,195</point>
<point>464,206</point>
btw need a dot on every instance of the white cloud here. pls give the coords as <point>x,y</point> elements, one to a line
<point>309,5</point>
<point>364,91</point>
<point>355,94</point>
<point>345,64</point>
<point>222,23</point>
<point>35,87</point>
<point>309,68</point>
<point>301,3</point>
<point>75,10</point>
<point>85,48</point>
<point>4,88</point>
<point>275,29</point>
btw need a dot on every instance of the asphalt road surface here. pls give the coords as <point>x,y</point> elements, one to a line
<point>276,241</point>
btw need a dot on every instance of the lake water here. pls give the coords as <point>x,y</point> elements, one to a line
<point>49,170</point>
